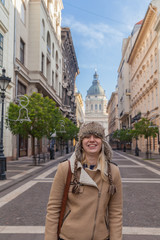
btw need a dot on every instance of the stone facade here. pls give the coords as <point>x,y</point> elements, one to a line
<point>144,74</point>
<point>37,56</point>
<point>33,58</point>
<point>80,116</point>
<point>70,72</point>
<point>6,61</point>
<point>96,104</point>
<point>113,120</point>
<point>138,76</point>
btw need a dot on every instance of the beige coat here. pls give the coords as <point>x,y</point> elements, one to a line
<point>86,212</point>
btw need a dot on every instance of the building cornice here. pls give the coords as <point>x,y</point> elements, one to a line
<point>146,22</point>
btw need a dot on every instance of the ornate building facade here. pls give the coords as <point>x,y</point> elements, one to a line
<point>70,72</point>
<point>113,120</point>
<point>6,62</point>
<point>32,51</point>
<point>144,74</point>
<point>96,104</point>
<point>37,57</point>
<point>80,115</point>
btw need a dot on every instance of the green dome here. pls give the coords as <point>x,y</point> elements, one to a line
<point>96,88</point>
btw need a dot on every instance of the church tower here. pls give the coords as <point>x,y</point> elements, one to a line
<point>96,104</point>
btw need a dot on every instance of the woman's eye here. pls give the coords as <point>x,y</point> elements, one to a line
<point>88,136</point>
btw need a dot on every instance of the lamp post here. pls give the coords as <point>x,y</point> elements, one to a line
<point>4,82</point>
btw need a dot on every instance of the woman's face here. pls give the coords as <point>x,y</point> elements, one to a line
<point>92,144</point>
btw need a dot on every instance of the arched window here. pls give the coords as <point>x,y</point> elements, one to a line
<point>56,57</point>
<point>43,29</point>
<point>48,43</point>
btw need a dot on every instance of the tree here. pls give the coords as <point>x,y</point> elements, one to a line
<point>123,136</point>
<point>65,131</point>
<point>42,112</point>
<point>146,128</point>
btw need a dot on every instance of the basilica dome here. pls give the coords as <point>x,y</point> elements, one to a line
<point>95,89</point>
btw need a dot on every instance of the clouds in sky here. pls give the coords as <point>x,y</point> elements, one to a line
<point>93,35</point>
<point>98,29</point>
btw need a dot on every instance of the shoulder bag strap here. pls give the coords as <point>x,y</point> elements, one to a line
<point>65,197</point>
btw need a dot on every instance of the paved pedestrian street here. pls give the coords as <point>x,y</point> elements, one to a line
<point>23,203</point>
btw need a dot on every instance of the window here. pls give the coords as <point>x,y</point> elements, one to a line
<point>95,106</point>
<point>56,83</point>
<point>48,43</point>
<point>156,96</point>
<point>148,102</point>
<point>99,106</point>
<point>155,58</point>
<point>43,29</point>
<point>60,90</point>
<point>42,63</point>
<point>152,100</point>
<point>151,62</point>
<point>1,50</point>
<point>91,107</point>
<point>53,79</point>
<point>22,46</point>
<point>21,89</point>
<point>52,50</point>
<point>23,12</point>
<point>56,57</point>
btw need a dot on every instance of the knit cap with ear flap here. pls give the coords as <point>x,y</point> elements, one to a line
<point>92,128</point>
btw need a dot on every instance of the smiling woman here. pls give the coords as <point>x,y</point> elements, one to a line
<point>95,191</point>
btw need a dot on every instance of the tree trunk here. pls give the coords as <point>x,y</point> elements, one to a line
<point>34,155</point>
<point>147,149</point>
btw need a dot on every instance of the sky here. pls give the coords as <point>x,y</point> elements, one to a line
<point>98,28</point>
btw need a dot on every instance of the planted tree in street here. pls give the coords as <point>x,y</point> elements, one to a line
<point>123,136</point>
<point>146,128</point>
<point>43,117</point>
<point>135,135</point>
<point>66,131</point>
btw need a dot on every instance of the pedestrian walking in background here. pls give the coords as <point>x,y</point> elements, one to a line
<point>94,205</point>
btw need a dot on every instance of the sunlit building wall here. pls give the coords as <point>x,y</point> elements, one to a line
<point>80,117</point>
<point>144,74</point>
<point>6,62</point>
<point>113,120</point>
<point>37,57</point>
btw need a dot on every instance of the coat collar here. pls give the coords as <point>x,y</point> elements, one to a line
<point>84,177</point>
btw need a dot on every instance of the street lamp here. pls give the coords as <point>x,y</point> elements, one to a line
<point>4,82</point>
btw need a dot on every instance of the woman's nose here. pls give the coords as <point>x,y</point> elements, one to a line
<point>91,138</point>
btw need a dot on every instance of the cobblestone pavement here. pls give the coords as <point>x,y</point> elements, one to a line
<point>24,197</point>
